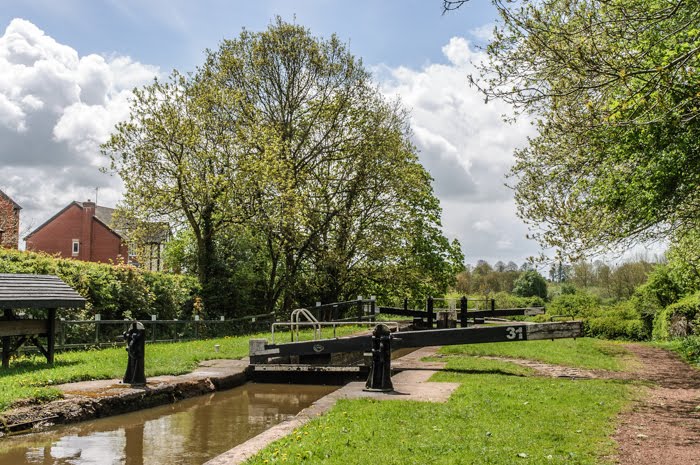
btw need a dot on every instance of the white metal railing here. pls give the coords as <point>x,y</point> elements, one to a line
<point>295,322</point>
<point>294,327</point>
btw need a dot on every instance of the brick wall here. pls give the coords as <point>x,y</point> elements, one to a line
<point>9,224</point>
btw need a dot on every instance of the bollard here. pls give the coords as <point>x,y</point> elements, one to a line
<point>379,378</point>
<point>135,338</point>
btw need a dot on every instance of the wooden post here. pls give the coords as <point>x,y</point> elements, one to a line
<point>6,352</point>
<point>430,312</point>
<point>493,307</point>
<point>51,336</point>
<point>6,342</point>
<point>62,332</point>
<point>405,303</point>
<point>463,311</point>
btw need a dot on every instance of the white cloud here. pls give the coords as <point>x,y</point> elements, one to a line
<point>483,225</point>
<point>56,108</point>
<point>468,149</point>
<point>483,33</point>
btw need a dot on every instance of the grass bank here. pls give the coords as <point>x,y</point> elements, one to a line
<point>582,353</point>
<point>30,378</point>
<point>501,414</point>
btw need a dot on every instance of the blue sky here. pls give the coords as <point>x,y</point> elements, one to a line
<point>67,69</point>
<point>173,33</point>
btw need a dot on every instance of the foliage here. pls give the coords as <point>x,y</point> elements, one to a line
<point>684,262</point>
<point>507,300</point>
<point>567,288</point>
<point>680,319</point>
<point>579,304</point>
<point>530,283</point>
<point>625,278</point>
<point>178,165</point>
<point>687,347</point>
<point>282,138</point>
<point>483,279</point>
<point>661,286</point>
<point>496,416</point>
<point>114,291</point>
<point>619,322</point>
<point>612,86</point>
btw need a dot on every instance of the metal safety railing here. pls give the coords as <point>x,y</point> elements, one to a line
<point>317,325</point>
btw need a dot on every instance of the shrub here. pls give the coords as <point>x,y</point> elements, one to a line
<point>662,285</point>
<point>579,304</point>
<point>689,349</point>
<point>507,300</point>
<point>567,288</point>
<point>621,321</point>
<point>678,320</point>
<point>529,284</point>
<point>114,291</point>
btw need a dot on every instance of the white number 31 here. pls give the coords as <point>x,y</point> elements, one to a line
<point>514,333</point>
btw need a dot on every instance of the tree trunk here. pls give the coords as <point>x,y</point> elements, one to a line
<point>205,261</point>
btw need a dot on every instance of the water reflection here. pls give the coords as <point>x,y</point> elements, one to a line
<point>189,432</point>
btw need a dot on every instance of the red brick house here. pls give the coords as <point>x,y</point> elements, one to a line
<point>9,222</point>
<point>82,231</point>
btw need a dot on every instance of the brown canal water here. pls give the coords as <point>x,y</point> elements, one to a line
<point>189,432</point>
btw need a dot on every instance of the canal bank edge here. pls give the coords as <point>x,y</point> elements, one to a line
<point>88,400</point>
<point>410,384</point>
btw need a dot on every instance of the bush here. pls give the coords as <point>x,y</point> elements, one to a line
<point>114,291</point>
<point>579,304</point>
<point>507,300</point>
<point>678,320</point>
<point>529,284</point>
<point>610,327</point>
<point>567,288</point>
<point>689,349</point>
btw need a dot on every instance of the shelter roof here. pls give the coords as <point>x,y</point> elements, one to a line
<point>37,291</point>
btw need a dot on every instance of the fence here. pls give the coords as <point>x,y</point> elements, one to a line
<point>104,333</point>
<point>351,310</point>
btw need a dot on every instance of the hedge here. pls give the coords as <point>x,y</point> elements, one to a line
<point>621,321</point>
<point>113,291</point>
<point>680,319</point>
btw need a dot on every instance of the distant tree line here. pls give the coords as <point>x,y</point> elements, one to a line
<point>616,281</point>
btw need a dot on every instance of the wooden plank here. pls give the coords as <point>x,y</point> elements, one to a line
<point>22,327</point>
<point>560,330</point>
<point>403,312</point>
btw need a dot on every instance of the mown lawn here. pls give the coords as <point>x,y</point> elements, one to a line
<point>582,353</point>
<point>31,378</point>
<point>501,414</point>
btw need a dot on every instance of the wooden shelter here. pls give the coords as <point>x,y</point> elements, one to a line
<point>24,291</point>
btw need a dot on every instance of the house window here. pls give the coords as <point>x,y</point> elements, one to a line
<point>76,247</point>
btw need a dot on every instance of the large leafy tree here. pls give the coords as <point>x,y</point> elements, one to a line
<point>614,89</point>
<point>178,161</point>
<point>330,172</point>
<point>283,134</point>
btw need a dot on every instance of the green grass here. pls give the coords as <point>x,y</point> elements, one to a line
<point>30,378</point>
<point>497,416</point>
<point>582,352</point>
<point>688,348</point>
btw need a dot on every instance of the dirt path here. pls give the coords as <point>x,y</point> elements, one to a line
<point>663,427</point>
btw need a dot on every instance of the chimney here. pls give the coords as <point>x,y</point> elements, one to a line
<point>86,231</point>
